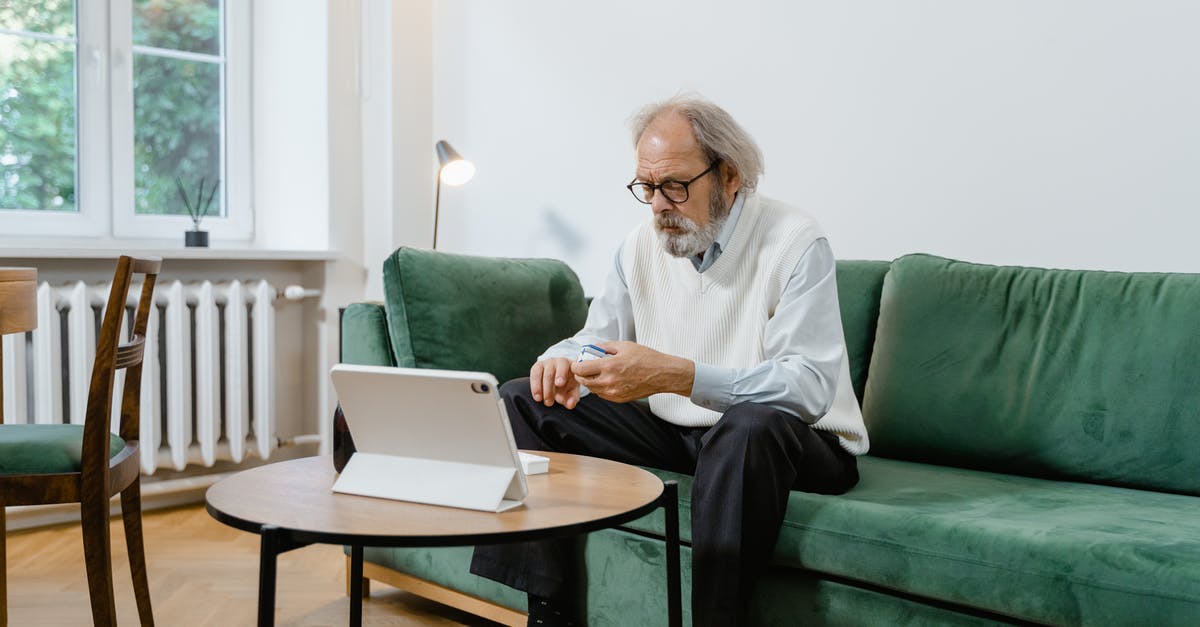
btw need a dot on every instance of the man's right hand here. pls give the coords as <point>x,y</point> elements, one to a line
<point>551,381</point>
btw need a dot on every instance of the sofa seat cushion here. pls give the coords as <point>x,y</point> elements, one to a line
<point>1038,550</point>
<point>627,585</point>
<point>45,449</point>
<point>1046,551</point>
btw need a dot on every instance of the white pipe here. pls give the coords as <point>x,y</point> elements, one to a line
<point>296,292</point>
<point>312,438</point>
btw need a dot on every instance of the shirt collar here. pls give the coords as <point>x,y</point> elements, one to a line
<point>714,250</point>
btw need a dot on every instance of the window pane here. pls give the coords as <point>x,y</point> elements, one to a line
<point>37,124</point>
<point>49,17</point>
<point>187,25</point>
<point>177,133</point>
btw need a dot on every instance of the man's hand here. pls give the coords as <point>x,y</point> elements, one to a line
<point>632,371</point>
<point>551,381</point>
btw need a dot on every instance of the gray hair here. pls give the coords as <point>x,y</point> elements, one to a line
<point>719,135</point>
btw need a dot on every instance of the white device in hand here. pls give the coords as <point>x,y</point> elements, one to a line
<point>440,437</point>
<point>591,351</point>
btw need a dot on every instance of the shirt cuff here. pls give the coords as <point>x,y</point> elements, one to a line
<point>568,349</point>
<point>712,387</point>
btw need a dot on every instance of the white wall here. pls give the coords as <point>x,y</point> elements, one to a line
<point>1055,133</point>
<point>291,125</point>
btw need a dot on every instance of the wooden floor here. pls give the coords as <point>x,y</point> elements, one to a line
<point>201,573</point>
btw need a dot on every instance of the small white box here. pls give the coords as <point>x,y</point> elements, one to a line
<point>534,464</point>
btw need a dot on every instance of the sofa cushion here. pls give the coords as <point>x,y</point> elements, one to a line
<point>365,336</point>
<point>459,312</point>
<point>627,586</point>
<point>1048,551</point>
<point>1081,375</point>
<point>445,566</point>
<point>859,284</point>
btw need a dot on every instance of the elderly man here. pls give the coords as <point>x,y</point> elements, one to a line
<point>724,359</point>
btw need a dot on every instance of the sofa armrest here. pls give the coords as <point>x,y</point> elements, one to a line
<point>364,335</point>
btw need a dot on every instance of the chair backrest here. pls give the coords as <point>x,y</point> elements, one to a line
<point>111,356</point>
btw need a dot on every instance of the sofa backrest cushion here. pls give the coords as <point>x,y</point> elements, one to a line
<point>459,312</point>
<point>859,284</point>
<point>1069,374</point>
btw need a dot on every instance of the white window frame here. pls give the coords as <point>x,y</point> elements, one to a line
<point>104,135</point>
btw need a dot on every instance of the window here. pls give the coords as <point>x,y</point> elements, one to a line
<point>109,110</point>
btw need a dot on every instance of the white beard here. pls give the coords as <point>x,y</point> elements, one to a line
<point>695,239</point>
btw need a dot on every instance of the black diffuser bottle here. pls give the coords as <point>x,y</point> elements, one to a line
<point>343,442</point>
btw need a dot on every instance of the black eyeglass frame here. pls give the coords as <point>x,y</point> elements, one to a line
<point>652,187</point>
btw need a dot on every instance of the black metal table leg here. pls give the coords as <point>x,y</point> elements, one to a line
<point>269,550</point>
<point>274,542</point>
<point>356,585</point>
<point>674,585</point>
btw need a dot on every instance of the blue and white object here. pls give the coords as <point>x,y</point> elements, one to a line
<point>591,351</point>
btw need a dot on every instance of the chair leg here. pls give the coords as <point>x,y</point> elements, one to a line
<point>131,513</point>
<point>3,569</point>
<point>97,555</point>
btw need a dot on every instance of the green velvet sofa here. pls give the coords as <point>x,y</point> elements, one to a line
<point>1035,442</point>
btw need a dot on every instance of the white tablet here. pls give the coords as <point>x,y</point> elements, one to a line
<point>440,437</point>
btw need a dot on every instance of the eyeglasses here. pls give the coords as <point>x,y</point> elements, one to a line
<point>674,191</point>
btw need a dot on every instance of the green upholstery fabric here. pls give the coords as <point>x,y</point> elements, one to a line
<point>790,596</point>
<point>1048,551</point>
<point>1049,373</point>
<point>45,449</point>
<point>859,284</point>
<point>627,586</point>
<point>627,580</point>
<point>460,312</point>
<point>365,336</point>
<point>446,566</point>
<point>1081,375</point>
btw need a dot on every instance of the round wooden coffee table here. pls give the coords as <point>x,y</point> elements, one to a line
<point>291,505</point>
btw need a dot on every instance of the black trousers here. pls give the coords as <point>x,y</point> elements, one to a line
<point>744,467</point>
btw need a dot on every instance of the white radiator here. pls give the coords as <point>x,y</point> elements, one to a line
<point>202,337</point>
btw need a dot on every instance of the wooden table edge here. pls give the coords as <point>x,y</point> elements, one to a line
<point>443,540</point>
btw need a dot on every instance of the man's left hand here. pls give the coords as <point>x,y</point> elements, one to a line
<point>632,371</point>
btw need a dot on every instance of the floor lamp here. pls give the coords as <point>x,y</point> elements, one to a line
<point>452,169</point>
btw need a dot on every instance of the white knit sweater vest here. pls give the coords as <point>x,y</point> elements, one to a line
<point>719,316</point>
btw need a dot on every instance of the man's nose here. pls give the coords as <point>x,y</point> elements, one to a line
<point>659,202</point>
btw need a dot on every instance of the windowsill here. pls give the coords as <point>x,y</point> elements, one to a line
<point>156,248</point>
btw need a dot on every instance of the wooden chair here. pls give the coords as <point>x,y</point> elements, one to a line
<point>85,464</point>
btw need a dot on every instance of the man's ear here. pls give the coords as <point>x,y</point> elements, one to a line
<point>731,181</point>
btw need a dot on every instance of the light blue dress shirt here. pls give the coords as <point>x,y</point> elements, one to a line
<point>803,341</point>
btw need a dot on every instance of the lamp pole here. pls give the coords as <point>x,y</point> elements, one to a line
<point>437,201</point>
<point>456,169</point>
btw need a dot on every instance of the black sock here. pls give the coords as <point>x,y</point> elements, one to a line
<point>553,612</point>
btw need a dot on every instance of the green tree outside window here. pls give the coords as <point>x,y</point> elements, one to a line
<point>178,99</point>
<point>37,106</point>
